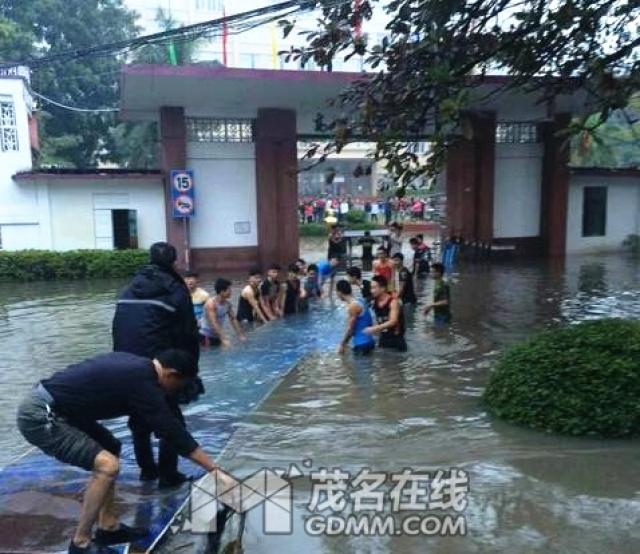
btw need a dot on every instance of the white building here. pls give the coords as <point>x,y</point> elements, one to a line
<point>67,209</point>
<point>21,207</point>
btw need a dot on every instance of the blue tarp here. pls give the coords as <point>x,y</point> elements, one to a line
<point>40,498</point>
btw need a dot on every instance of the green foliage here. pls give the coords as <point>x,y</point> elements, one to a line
<point>313,230</point>
<point>321,230</point>
<point>45,265</point>
<point>579,380</point>
<point>355,217</point>
<point>613,143</point>
<point>54,26</point>
<point>429,66</point>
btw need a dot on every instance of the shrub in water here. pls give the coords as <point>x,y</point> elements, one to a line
<point>44,265</point>
<point>580,380</point>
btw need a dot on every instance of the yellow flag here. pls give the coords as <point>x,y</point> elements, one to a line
<point>274,46</point>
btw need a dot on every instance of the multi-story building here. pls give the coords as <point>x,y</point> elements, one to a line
<point>20,206</point>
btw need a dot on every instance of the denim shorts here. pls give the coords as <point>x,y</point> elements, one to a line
<point>72,443</point>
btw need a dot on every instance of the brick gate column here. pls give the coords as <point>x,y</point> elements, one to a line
<point>470,180</point>
<point>277,186</point>
<point>173,140</point>
<point>555,186</point>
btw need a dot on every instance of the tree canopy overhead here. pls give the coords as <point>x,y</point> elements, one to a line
<point>36,28</point>
<point>426,64</point>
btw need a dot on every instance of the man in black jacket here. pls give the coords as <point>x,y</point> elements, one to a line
<point>155,313</point>
<point>62,415</point>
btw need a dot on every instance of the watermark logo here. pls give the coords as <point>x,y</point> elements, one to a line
<point>269,488</point>
<point>366,503</point>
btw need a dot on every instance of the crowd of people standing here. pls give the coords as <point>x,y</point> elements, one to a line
<point>375,210</point>
<point>162,320</point>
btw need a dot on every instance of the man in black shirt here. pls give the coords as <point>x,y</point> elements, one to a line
<point>155,313</point>
<point>61,417</point>
<point>404,287</point>
<point>271,293</point>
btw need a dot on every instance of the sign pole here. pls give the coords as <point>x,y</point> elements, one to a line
<point>187,252</point>
<point>183,200</point>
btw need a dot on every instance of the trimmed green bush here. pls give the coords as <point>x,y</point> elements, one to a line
<point>321,230</point>
<point>313,230</point>
<point>580,380</point>
<point>45,265</point>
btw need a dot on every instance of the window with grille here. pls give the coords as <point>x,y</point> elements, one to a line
<point>517,133</point>
<point>219,130</point>
<point>8,127</point>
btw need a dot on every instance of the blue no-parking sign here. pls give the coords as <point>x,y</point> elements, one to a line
<point>183,193</point>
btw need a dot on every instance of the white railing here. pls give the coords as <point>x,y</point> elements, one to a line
<point>16,71</point>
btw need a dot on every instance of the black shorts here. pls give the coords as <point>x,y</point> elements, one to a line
<point>393,341</point>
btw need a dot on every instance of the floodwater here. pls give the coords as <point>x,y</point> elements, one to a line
<point>529,492</point>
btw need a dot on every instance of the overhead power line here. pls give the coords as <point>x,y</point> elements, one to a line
<point>181,33</point>
<point>72,108</point>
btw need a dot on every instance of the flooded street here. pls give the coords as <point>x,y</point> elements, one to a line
<point>529,492</point>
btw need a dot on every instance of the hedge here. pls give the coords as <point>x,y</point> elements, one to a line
<point>581,380</point>
<point>45,265</point>
<point>321,230</point>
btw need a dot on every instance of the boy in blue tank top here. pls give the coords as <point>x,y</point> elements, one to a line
<point>359,318</point>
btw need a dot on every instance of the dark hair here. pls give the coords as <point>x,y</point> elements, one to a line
<point>254,271</point>
<point>222,285</point>
<point>300,261</point>
<point>354,272</point>
<point>274,266</point>
<point>162,254</point>
<point>180,360</point>
<point>192,274</point>
<point>367,233</point>
<point>312,267</point>
<point>343,286</point>
<point>438,268</point>
<point>293,268</point>
<point>398,255</point>
<point>381,280</point>
<point>420,236</point>
<point>413,240</point>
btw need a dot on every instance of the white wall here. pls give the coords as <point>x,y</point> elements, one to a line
<point>225,193</point>
<point>78,204</point>
<point>517,193</point>
<point>20,204</point>
<point>623,213</point>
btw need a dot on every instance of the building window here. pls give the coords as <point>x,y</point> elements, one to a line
<point>8,127</point>
<point>517,133</point>
<point>594,212</point>
<point>219,130</point>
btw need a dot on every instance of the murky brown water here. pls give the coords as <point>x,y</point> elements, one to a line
<point>529,492</point>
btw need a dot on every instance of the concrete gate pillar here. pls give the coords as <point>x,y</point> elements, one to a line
<point>277,186</point>
<point>173,138</point>
<point>470,180</point>
<point>555,186</point>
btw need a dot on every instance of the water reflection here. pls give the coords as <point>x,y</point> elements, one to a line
<point>530,492</point>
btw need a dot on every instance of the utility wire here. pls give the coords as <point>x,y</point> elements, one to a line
<point>181,32</point>
<point>72,108</point>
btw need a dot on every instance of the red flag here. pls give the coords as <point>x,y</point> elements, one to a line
<point>225,36</point>
<point>357,28</point>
